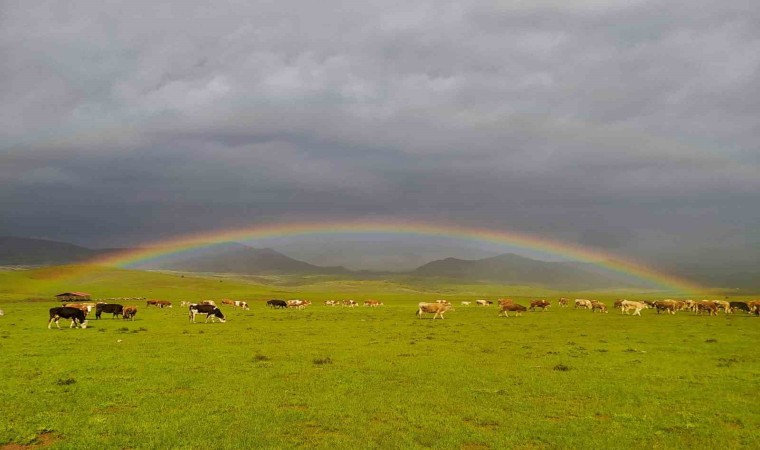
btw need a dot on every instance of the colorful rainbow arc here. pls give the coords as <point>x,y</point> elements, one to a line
<point>516,240</point>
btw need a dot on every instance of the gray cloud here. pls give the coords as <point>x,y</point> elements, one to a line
<point>634,122</point>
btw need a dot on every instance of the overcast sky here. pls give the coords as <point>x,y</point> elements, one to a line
<point>627,126</point>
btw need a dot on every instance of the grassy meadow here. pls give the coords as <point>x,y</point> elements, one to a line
<point>333,377</point>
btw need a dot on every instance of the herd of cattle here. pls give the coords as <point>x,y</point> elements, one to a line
<point>77,312</point>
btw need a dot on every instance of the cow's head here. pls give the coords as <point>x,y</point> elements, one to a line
<point>219,315</point>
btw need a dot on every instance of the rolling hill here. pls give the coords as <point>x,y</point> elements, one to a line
<point>235,258</point>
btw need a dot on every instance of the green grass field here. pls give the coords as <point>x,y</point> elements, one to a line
<point>355,378</point>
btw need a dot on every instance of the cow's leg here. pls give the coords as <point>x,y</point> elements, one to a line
<point>50,322</point>
<point>73,323</point>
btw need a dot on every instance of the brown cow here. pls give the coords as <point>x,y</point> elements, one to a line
<point>563,302</point>
<point>598,305</point>
<point>706,305</point>
<point>506,307</point>
<point>543,304</point>
<point>669,306</point>
<point>129,312</point>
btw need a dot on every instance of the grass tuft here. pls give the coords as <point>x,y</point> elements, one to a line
<point>322,361</point>
<point>561,368</point>
<point>65,381</point>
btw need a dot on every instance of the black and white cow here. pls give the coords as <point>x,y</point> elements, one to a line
<point>113,308</point>
<point>212,312</point>
<point>65,312</point>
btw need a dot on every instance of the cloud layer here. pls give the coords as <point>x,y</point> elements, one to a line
<point>627,126</point>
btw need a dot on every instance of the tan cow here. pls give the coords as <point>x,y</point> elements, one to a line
<point>582,303</point>
<point>227,301</point>
<point>562,302</point>
<point>483,303</point>
<point>437,309</point>
<point>598,305</point>
<point>668,305</point>
<point>636,307</point>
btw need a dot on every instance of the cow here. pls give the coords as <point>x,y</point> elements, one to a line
<point>563,302</point>
<point>129,312</point>
<point>211,312</point>
<point>163,304</point>
<point>706,305</point>
<point>113,308</point>
<point>483,302</point>
<point>2,313</point>
<point>184,303</point>
<point>332,303</point>
<point>65,312</point>
<point>506,307</point>
<point>543,304</point>
<point>372,303</point>
<point>208,302</point>
<point>724,305</point>
<point>505,301</point>
<point>350,303</point>
<point>228,302</point>
<point>151,303</point>
<point>582,303</point>
<point>754,307</point>
<point>636,307</point>
<point>438,309</point>
<point>739,305</point>
<point>598,305</point>
<point>619,304</point>
<point>668,305</point>
<point>465,303</point>
<point>299,304</point>
<point>238,304</point>
<point>277,304</point>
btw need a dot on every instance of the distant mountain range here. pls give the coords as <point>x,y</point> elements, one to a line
<point>242,259</point>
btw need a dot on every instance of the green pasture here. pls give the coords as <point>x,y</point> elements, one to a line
<point>356,378</point>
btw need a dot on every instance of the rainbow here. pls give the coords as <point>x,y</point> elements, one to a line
<point>613,263</point>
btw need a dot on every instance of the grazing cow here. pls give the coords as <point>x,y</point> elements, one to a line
<point>65,312</point>
<point>211,312</point>
<point>227,302</point>
<point>754,307</point>
<point>619,304</point>
<point>240,304</point>
<point>331,303</point>
<point>151,303</point>
<point>668,305</point>
<point>163,304</point>
<point>208,302</point>
<point>277,304</point>
<point>598,305</point>
<point>129,312</point>
<point>563,302</point>
<point>516,308</point>
<point>466,303</point>
<point>636,307</point>
<point>113,308</point>
<point>483,302</point>
<point>350,303</point>
<point>582,303</point>
<point>372,303</point>
<point>438,309</point>
<point>299,304</point>
<point>739,305</point>
<point>505,301</point>
<point>724,305</point>
<point>543,304</point>
<point>706,305</point>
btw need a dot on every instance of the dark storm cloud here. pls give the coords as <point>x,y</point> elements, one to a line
<point>621,125</point>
